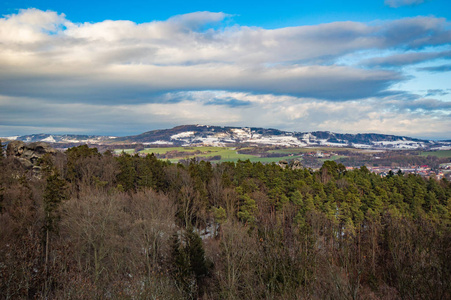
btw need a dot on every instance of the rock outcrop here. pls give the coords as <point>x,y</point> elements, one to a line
<point>28,154</point>
<point>294,165</point>
<point>283,164</point>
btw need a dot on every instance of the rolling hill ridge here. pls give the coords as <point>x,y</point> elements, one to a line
<point>205,135</point>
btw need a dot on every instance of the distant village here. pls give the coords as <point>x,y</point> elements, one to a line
<point>425,171</point>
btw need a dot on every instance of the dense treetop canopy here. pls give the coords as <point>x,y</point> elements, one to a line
<point>143,226</point>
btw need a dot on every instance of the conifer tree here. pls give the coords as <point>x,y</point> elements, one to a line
<point>190,264</point>
<point>128,175</point>
<point>181,264</point>
<point>196,254</point>
<point>297,198</point>
<point>247,209</point>
<point>54,194</point>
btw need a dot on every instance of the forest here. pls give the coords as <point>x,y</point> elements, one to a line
<point>92,225</point>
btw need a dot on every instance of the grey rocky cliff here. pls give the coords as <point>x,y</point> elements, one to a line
<point>28,154</point>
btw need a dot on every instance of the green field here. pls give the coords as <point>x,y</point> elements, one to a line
<point>230,153</point>
<point>226,153</point>
<point>439,153</point>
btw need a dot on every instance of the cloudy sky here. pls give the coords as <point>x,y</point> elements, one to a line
<point>125,67</point>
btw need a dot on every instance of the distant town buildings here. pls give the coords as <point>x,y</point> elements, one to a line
<point>423,170</point>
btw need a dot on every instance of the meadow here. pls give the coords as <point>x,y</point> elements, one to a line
<point>230,154</point>
<point>260,154</point>
<point>438,153</point>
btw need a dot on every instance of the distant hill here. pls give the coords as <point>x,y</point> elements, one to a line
<point>205,135</point>
<point>197,135</point>
<point>61,138</point>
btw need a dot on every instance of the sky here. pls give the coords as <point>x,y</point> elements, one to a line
<point>126,67</point>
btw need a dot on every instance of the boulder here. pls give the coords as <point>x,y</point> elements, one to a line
<point>296,165</point>
<point>283,164</point>
<point>28,154</point>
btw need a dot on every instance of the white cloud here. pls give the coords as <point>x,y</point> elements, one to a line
<point>390,115</point>
<point>192,69</point>
<point>122,58</point>
<point>30,26</point>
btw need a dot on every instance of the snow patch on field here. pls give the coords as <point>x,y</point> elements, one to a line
<point>242,133</point>
<point>309,138</point>
<point>11,138</point>
<point>210,141</point>
<point>49,139</point>
<point>361,146</point>
<point>333,144</point>
<point>400,144</point>
<point>182,135</point>
<point>441,148</point>
<point>159,143</point>
<point>277,140</point>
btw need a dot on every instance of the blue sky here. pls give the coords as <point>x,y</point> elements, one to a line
<point>125,67</point>
<point>267,14</point>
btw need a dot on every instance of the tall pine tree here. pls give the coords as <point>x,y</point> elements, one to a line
<point>189,262</point>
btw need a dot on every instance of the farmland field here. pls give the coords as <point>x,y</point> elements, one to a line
<point>226,153</point>
<point>439,153</point>
<point>175,154</point>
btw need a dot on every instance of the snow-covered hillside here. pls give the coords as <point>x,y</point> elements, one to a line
<point>61,138</point>
<point>204,135</point>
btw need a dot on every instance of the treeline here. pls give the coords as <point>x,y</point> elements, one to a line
<point>95,226</point>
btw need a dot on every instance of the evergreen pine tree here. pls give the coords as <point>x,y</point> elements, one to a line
<point>247,209</point>
<point>296,198</point>
<point>189,262</point>
<point>181,265</point>
<point>55,192</point>
<point>196,254</point>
